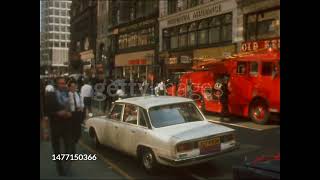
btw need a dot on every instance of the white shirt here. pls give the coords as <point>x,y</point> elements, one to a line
<point>161,86</point>
<point>86,91</point>
<point>78,101</point>
<point>49,88</point>
<point>120,93</point>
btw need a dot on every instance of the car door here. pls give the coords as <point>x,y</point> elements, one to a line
<point>133,130</point>
<point>112,126</point>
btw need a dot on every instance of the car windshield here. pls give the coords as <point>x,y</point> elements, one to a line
<point>168,115</point>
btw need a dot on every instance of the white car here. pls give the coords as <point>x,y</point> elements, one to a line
<point>163,130</point>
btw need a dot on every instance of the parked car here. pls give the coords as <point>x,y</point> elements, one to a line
<point>164,130</point>
<point>262,168</point>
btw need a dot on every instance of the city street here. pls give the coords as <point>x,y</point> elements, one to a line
<point>255,140</point>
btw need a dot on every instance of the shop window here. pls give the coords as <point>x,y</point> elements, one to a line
<point>132,40</point>
<point>263,25</point>
<point>242,68</point>
<point>266,69</point>
<point>253,68</point>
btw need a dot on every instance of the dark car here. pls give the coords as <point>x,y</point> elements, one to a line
<point>262,168</point>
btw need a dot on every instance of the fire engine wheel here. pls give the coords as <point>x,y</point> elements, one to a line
<point>259,112</point>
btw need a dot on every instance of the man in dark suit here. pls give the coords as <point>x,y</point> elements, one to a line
<point>60,123</point>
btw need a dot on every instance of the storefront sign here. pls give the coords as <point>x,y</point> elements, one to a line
<point>256,45</point>
<point>137,62</point>
<point>208,10</point>
<point>185,59</point>
<point>212,53</point>
<point>172,60</point>
<point>87,55</point>
<point>135,58</point>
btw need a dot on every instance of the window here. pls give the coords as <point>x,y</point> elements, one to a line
<point>242,68</point>
<point>263,25</point>
<point>172,6</point>
<point>56,44</point>
<point>192,3</point>
<point>167,115</point>
<point>56,36</point>
<point>132,40</point>
<point>63,20</point>
<point>174,38</point>
<point>63,28</point>
<point>63,44</point>
<point>56,4</point>
<point>266,69</point>
<point>192,34</point>
<point>63,13</point>
<point>166,40</point>
<point>116,112</point>
<point>227,28</point>
<point>142,118</point>
<point>203,32</point>
<point>183,36</point>
<point>56,12</point>
<point>130,114</point>
<point>56,28</point>
<point>253,68</point>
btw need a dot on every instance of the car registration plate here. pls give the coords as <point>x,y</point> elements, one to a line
<point>209,146</point>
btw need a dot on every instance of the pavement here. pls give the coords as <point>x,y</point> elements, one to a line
<point>84,170</point>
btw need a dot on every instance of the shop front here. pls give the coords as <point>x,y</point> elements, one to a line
<point>197,34</point>
<point>134,65</point>
<point>177,63</point>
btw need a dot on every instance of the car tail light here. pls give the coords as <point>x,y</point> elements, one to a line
<point>227,138</point>
<point>185,147</point>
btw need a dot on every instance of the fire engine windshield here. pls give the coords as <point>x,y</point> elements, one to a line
<point>168,115</point>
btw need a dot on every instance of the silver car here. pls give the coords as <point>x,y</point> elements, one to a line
<point>163,130</point>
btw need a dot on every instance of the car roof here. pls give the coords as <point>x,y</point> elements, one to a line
<point>151,101</point>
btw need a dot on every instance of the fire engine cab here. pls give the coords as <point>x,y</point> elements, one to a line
<point>253,81</point>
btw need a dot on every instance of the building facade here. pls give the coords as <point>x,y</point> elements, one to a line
<point>192,31</point>
<point>55,36</point>
<point>103,42</point>
<point>83,36</point>
<point>133,35</point>
<point>258,24</point>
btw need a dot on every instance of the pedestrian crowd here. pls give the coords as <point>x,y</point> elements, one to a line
<point>65,103</point>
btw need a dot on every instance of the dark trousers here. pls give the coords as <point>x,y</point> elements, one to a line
<point>61,130</point>
<point>76,125</point>
<point>161,92</point>
<point>87,104</point>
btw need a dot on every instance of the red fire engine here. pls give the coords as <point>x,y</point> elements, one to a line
<point>253,84</point>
